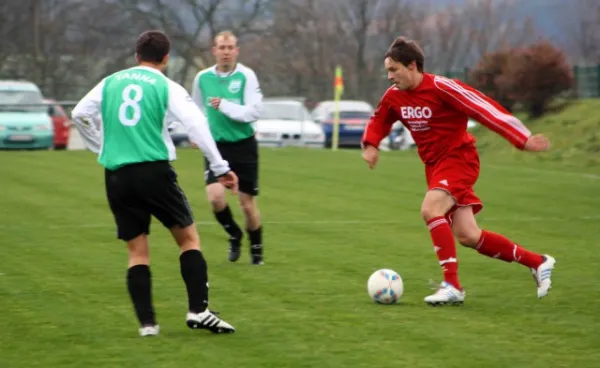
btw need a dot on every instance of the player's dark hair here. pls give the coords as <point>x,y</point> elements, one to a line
<point>405,51</point>
<point>152,46</point>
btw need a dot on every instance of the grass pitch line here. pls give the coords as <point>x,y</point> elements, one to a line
<point>514,167</point>
<point>319,222</point>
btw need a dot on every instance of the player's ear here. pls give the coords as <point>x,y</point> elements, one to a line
<point>165,60</point>
<point>137,58</point>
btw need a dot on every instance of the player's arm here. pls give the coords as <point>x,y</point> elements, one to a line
<point>480,107</point>
<point>380,124</point>
<point>183,109</point>
<point>86,116</point>
<point>250,111</point>
<point>196,93</point>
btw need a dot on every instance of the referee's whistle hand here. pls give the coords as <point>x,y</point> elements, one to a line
<point>229,181</point>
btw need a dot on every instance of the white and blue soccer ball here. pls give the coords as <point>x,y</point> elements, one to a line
<point>385,286</point>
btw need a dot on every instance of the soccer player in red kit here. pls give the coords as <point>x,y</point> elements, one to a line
<point>435,109</point>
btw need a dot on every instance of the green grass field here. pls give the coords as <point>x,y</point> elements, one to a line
<point>329,223</point>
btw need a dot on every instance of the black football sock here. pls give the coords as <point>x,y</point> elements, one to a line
<point>195,274</point>
<point>226,220</point>
<point>139,284</point>
<point>256,245</point>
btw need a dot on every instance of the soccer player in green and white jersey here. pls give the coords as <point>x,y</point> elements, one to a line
<point>124,119</point>
<point>230,95</point>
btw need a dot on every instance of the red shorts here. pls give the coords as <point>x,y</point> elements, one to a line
<point>456,173</point>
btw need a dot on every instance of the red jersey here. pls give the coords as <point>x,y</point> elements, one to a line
<point>436,113</point>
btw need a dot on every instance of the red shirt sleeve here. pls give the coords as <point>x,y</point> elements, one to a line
<point>380,124</point>
<point>480,107</point>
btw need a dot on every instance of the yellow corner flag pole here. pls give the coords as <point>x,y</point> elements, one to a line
<point>338,86</point>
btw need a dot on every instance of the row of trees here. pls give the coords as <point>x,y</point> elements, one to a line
<point>531,76</point>
<point>66,46</point>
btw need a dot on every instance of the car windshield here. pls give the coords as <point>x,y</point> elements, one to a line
<point>352,115</point>
<point>279,111</point>
<point>25,101</point>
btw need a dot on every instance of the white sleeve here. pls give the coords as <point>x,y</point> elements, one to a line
<point>86,116</point>
<point>183,109</point>
<point>250,111</point>
<point>196,93</point>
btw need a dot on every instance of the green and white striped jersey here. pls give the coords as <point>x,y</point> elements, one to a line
<point>125,119</point>
<point>241,101</point>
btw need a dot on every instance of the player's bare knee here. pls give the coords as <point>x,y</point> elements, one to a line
<point>186,238</point>
<point>468,237</point>
<point>436,203</point>
<point>248,205</point>
<point>248,208</point>
<point>216,196</point>
<point>432,209</point>
<point>139,252</point>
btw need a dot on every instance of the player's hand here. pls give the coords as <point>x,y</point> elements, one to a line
<point>229,181</point>
<point>215,102</point>
<point>537,143</point>
<point>371,155</point>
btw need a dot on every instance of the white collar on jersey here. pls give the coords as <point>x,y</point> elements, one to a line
<point>147,68</point>
<point>226,74</point>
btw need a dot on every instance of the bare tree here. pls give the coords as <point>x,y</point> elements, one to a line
<point>299,53</point>
<point>457,37</point>
<point>582,30</point>
<point>13,17</point>
<point>192,24</point>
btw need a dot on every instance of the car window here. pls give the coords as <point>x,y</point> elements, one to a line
<point>22,101</point>
<point>278,111</point>
<point>58,111</point>
<point>352,115</point>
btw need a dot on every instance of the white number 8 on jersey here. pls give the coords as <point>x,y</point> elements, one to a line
<point>132,102</point>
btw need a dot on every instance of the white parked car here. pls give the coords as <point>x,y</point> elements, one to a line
<point>401,139</point>
<point>286,122</point>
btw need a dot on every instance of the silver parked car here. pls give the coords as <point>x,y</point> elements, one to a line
<point>286,122</point>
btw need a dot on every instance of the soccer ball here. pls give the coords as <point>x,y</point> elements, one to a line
<point>385,286</point>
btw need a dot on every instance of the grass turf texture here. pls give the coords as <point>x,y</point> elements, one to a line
<point>329,223</point>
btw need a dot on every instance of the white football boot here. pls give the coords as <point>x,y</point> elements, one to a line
<point>542,275</point>
<point>446,294</point>
<point>209,321</point>
<point>149,330</point>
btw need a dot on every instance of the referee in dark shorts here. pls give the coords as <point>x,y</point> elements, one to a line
<point>230,95</point>
<point>135,106</point>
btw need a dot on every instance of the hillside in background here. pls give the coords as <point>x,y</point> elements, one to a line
<point>574,132</point>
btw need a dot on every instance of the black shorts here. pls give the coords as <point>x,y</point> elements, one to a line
<point>138,191</point>
<point>243,160</point>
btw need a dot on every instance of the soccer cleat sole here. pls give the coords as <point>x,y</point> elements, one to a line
<point>216,330</point>
<point>441,304</point>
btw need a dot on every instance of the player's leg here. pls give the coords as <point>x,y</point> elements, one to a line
<point>170,206</point>
<point>247,171</point>
<point>215,193</point>
<point>499,247</point>
<point>452,175</point>
<point>248,203</point>
<point>436,204</point>
<point>139,284</point>
<point>133,226</point>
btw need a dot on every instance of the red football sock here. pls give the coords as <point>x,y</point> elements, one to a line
<point>445,249</point>
<point>497,246</point>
